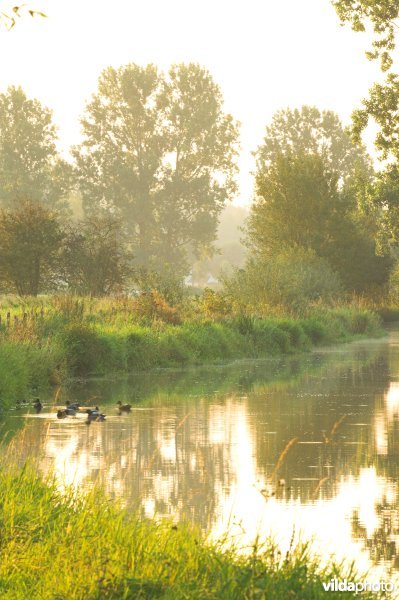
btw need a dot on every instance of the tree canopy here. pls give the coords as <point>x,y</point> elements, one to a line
<point>383,102</point>
<point>299,205</point>
<point>313,132</point>
<point>159,151</point>
<point>30,167</point>
<point>95,256</point>
<point>378,15</point>
<point>30,244</point>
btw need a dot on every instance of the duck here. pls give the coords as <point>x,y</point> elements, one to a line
<point>66,412</point>
<point>124,407</point>
<point>95,415</point>
<point>91,411</point>
<point>37,405</point>
<point>72,405</point>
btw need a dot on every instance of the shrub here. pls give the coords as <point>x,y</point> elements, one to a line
<point>152,306</point>
<point>85,351</point>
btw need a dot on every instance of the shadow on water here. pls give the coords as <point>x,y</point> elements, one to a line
<point>203,444</point>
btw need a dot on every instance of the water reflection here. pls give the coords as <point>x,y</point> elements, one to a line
<point>203,445</point>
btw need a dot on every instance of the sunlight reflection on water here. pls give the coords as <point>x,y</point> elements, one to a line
<point>203,445</point>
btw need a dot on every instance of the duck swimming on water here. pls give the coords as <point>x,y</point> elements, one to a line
<point>95,415</point>
<point>124,407</point>
<point>37,405</point>
<point>73,405</point>
<point>67,412</point>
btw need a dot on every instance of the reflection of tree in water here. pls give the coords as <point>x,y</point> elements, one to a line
<point>382,544</point>
<point>310,411</point>
<point>174,454</point>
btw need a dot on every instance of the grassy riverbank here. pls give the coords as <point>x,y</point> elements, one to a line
<point>54,546</point>
<point>71,339</point>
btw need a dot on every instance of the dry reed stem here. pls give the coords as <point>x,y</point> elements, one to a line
<point>330,438</point>
<point>318,486</point>
<point>282,456</point>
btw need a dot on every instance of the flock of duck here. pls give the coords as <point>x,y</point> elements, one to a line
<point>73,408</point>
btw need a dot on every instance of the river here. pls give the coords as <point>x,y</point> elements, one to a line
<point>207,445</point>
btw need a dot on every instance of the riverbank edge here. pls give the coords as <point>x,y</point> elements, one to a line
<point>47,551</point>
<point>61,349</point>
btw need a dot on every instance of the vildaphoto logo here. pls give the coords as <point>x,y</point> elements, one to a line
<point>336,585</point>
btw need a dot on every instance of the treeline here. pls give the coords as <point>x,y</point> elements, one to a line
<point>318,227</point>
<point>155,167</point>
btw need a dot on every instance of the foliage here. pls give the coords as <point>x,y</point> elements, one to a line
<point>160,151</point>
<point>307,131</point>
<point>30,168</point>
<point>288,281</point>
<point>9,19</point>
<point>299,205</point>
<point>25,365</point>
<point>381,15</point>
<point>95,256</point>
<point>30,241</point>
<point>381,203</point>
<point>86,336</point>
<point>382,104</point>
<point>85,351</point>
<point>215,304</point>
<point>152,306</point>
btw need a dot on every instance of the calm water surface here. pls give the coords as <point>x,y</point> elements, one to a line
<point>204,445</point>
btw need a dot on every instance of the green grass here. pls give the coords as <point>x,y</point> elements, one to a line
<point>55,546</point>
<point>76,338</point>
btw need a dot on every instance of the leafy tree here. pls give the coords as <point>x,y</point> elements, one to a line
<point>380,16</point>
<point>30,242</point>
<point>299,205</point>
<point>380,201</point>
<point>382,105</point>
<point>158,150</point>
<point>96,259</point>
<point>307,131</point>
<point>30,167</point>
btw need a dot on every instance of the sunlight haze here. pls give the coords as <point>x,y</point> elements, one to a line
<point>264,55</point>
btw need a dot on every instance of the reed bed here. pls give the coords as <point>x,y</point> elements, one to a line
<point>73,337</point>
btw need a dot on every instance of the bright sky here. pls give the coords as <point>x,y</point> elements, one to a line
<point>265,55</point>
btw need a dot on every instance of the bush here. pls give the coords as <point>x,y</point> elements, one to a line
<point>85,351</point>
<point>152,306</point>
<point>286,282</point>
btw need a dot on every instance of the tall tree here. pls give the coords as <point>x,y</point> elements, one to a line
<point>30,244</point>
<point>310,131</point>
<point>198,169</point>
<point>158,151</point>
<point>299,205</point>
<point>30,167</point>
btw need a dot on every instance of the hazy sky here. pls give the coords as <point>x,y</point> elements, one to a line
<point>264,54</point>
